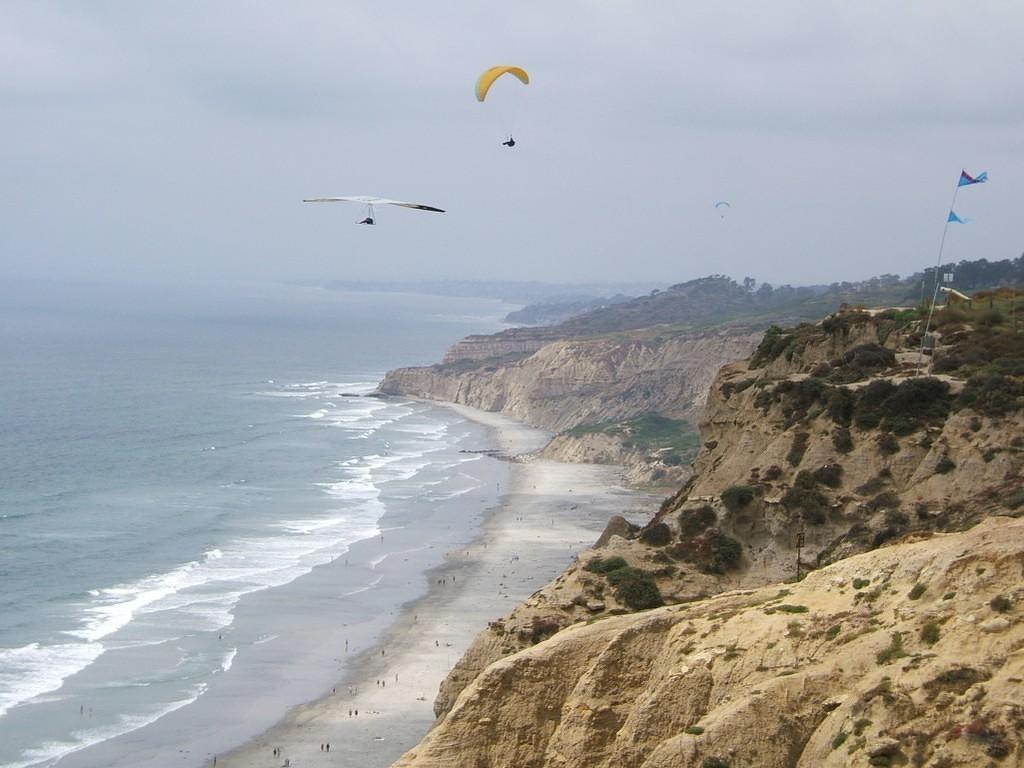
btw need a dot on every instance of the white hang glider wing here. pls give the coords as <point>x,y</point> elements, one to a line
<point>370,202</point>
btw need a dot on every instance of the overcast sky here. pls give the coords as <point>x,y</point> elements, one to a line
<point>175,140</point>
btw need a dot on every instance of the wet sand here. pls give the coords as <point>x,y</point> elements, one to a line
<point>549,512</point>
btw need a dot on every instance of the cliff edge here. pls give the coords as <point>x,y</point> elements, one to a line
<point>912,654</point>
<point>563,383</point>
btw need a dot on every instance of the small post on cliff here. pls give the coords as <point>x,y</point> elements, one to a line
<point>799,546</point>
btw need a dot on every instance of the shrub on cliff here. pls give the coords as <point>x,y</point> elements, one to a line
<point>656,535</point>
<point>712,552</point>
<point>842,441</point>
<point>949,316</point>
<point>1000,604</point>
<point>805,498</point>
<point>772,345</point>
<point>894,651</point>
<point>693,522</point>
<point>988,352</point>
<point>992,395</point>
<point>830,474</point>
<point>869,356</point>
<point>636,588</point>
<point>736,497</point>
<point>930,633</point>
<point>726,553</point>
<point>840,405</point>
<point>798,448</point>
<point>798,398</point>
<point>989,318</point>
<point>887,444</point>
<point>902,408</point>
<point>841,322</point>
<point>861,361</point>
<point>605,565</point>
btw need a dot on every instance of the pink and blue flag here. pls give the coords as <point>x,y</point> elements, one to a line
<point>966,179</point>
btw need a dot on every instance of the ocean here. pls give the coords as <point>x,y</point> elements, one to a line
<point>200,505</point>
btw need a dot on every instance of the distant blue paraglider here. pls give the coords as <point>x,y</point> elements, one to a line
<point>722,204</point>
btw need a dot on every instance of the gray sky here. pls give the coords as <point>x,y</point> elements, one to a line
<point>174,140</point>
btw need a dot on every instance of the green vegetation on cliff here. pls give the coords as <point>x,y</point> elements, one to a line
<point>673,441</point>
<point>719,299</point>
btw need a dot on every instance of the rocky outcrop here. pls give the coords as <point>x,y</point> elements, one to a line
<point>575,381</point>
<point>910,654</point>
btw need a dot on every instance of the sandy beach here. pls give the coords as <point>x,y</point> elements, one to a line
<point>549,512</point>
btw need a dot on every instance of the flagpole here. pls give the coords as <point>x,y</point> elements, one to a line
<point>938,265</point>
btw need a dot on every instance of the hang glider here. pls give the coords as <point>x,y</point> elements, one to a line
<point>369,202</point>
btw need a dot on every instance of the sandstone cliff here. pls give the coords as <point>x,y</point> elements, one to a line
<point>568,382</point>
<point>911,654</point>
<point>824,445</point>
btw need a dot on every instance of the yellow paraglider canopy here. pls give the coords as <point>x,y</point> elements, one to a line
<point>483,84</point>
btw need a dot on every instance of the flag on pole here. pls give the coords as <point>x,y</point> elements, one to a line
<point>966,179</point>
<point>956,219</point>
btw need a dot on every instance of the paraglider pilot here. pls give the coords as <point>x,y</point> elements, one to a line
<point>510,143</point>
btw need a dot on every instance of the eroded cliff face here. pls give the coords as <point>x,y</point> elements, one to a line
<point>569,382</point>
<point>824,445</point>
<point>911,654</point>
